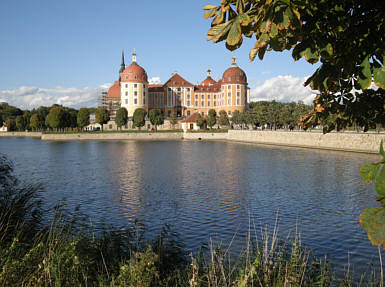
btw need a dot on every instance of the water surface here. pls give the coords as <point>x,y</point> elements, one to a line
<point>208,190</point>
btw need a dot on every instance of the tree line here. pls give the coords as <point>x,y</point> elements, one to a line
<point>56,117</point>
<point>272,114</point>
<point>59,118</point>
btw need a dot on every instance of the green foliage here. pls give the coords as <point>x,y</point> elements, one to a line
<point>199,121</point>
<point>121,117</point>
<point>139,118</point>
<point>83,118</point>
<point>211,119</point>
<point>20,123</point>
<point>346,37</point>
<point>156,117</point>
<point>55,118</point>
<point>11,124</point>
<point>140,270</point>
<point>223,118</point>
<point>101,116</point>
<point>36,122</point>
<point>372,219</point>
<point>173,119</point>
<point>236,118</point>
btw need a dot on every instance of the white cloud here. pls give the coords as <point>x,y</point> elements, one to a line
<point>32,97</point>
<point>283,89</point>
<point>154,80</point>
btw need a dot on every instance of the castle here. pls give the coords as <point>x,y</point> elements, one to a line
<point>132,90</point>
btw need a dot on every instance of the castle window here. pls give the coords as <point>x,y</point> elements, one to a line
<point>208,97</point>
<point>229,87</point>
<point>126,101</point>
<point>208,103</point>
<point>135,93</point>
<point>188,103</point>
<point>196,97</point>
<point>178,89</point>
<point>229,113</point>
<point>135,101</point>
<point>126,77</point>
<point>135,86</point>
<point>202,103</point>
<point>126,93</point>
<point>188,113</point>
<point>203,114</point>
<point>215,96</point>
<point>202,97</point>
<point>238,87</point>
<point>215,103</point>
<point>126,85</point>
<point>188,89</point>
<point>196,103</point>
<point>238,101</point>
<point>136,77</point>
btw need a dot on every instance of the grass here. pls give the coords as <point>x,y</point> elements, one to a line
<point>67,252</point>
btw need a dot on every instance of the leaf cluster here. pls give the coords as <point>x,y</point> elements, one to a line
<point>346,37</point>
<point>372,219</point>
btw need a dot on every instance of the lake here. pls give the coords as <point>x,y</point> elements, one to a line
<point>208,190</point>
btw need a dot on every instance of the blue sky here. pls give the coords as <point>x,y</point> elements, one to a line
<point>69,47</point>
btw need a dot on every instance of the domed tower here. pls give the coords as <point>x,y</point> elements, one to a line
<point>208,81</point>
<point>134,87</point>
<point>234,88</point>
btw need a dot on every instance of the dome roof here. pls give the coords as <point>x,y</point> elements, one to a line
<point>208,82</point>
<point>134,73</point>
<point>234,75</point>
<point>114,91</point>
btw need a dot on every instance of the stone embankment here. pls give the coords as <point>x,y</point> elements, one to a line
<point>355,142</point>
<point>21,134</point>
<point>112,136</point>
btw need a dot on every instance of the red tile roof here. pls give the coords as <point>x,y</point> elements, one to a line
<point>177,81</point>
<point>192,118</point>
<point>134,73</point>
<point>114,91</point>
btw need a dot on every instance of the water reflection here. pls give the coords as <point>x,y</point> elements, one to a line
<point>207,190</point>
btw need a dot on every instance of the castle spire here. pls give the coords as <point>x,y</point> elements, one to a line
<point>208,73</point>
<point>122,65</point>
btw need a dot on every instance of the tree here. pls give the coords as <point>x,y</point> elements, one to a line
<point>55,118</point>
<point>199,121</point>
<point>36,122</point>
<point>101,116</point>
<point>156,117</point>
<point>173,119</point>
<point>236,118</point>
<point>11,124</point>
<point>211,118</point>
<point>223,119</point>
<point>20,123</point>
<point>347,37</point>
<point>83,118</point>
<point>121,117</point>
<point>139,118</point>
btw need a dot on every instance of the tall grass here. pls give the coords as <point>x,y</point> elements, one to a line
<point>67,252</point>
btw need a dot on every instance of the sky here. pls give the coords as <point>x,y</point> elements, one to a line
<point>64,52</point>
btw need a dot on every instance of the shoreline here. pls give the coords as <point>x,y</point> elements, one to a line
<point>338,141</point>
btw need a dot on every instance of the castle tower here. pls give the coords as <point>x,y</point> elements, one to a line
<point>134,87</point>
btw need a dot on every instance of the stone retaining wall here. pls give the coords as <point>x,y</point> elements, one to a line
<point>361,142</point>
<point>112,136</point>
<point>21,134</point>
